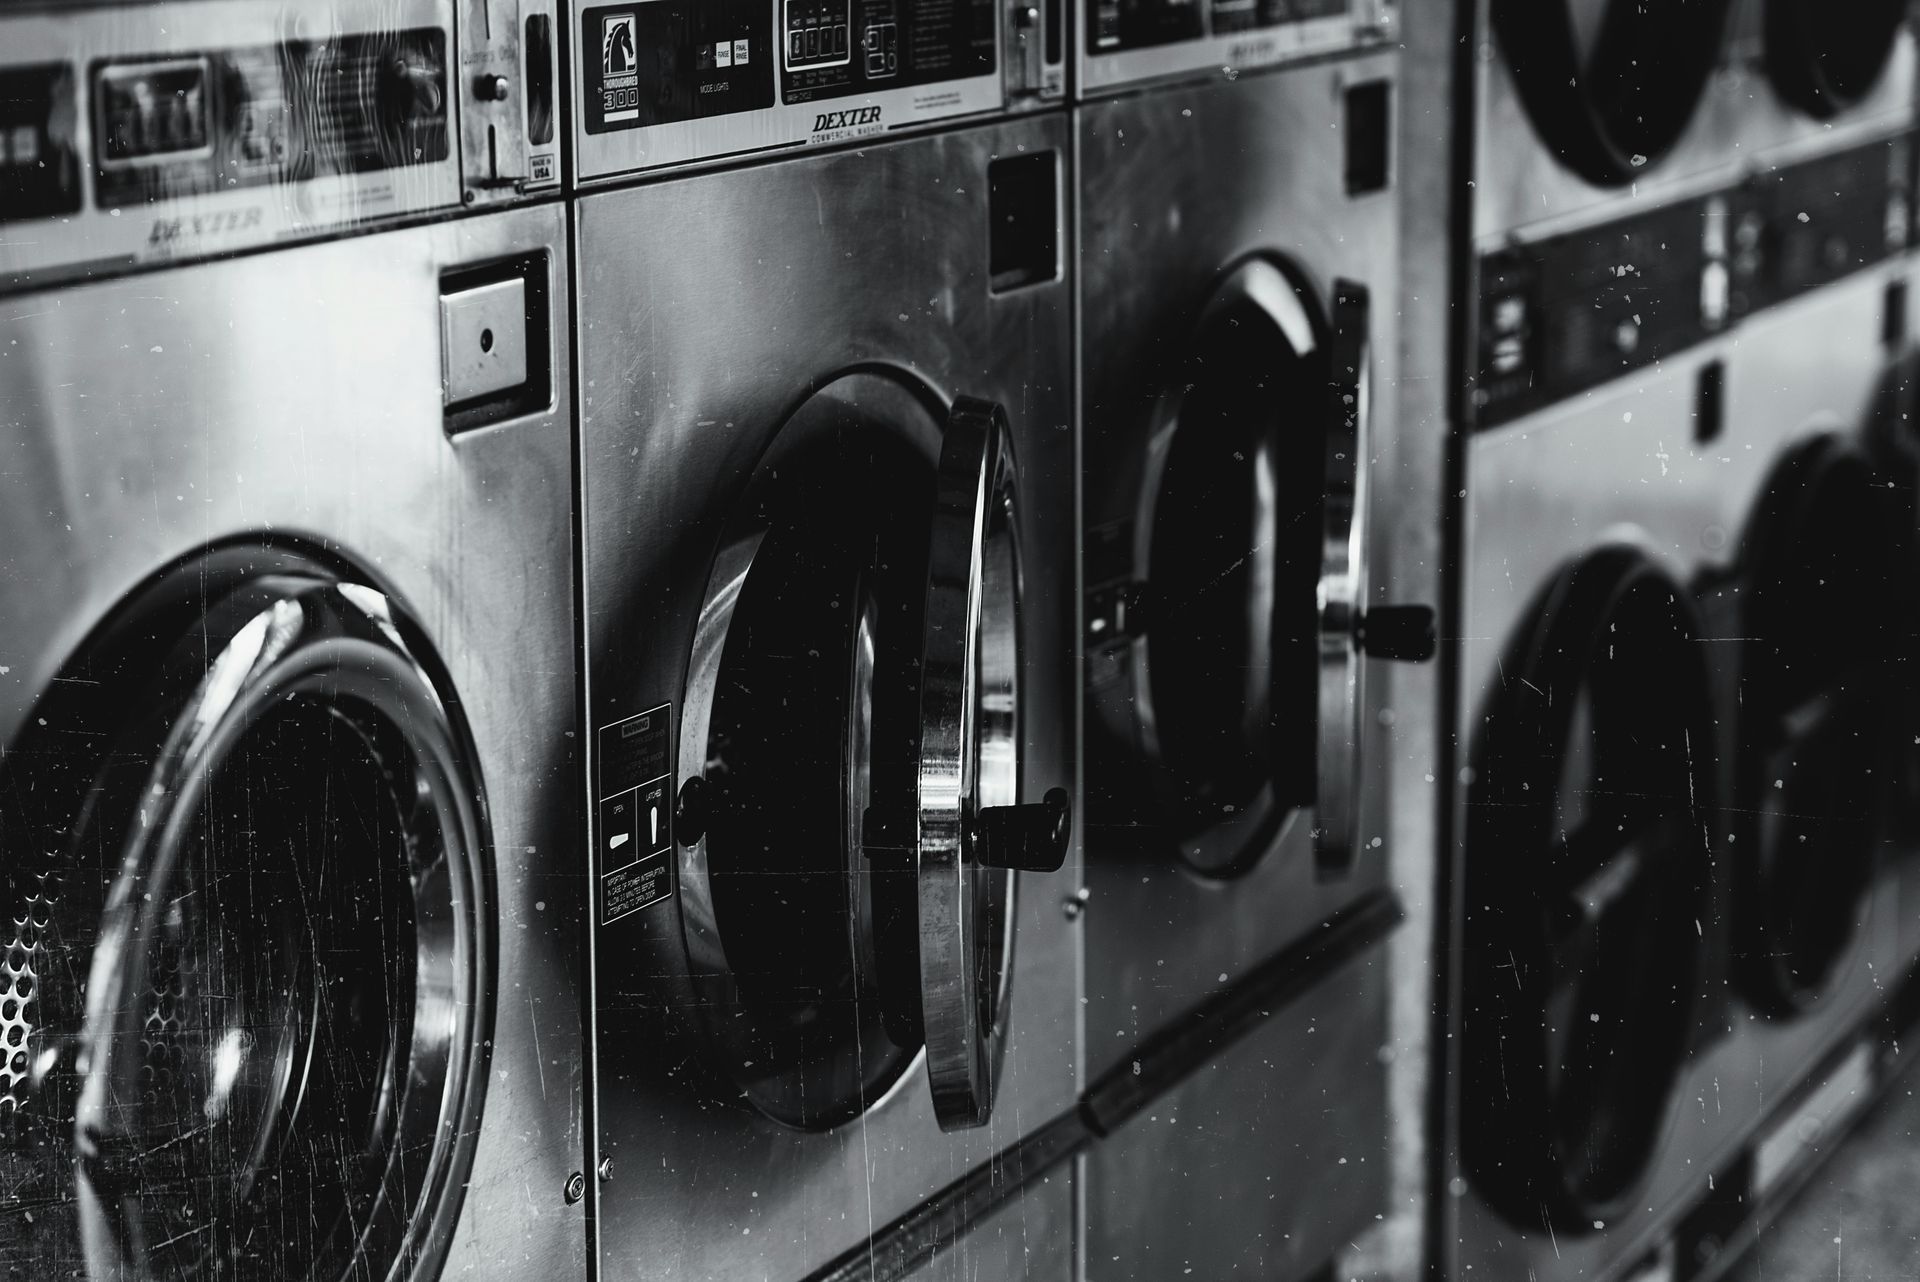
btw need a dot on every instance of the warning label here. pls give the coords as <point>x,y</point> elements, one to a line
<point>628,890</point>
<point>633,832</point>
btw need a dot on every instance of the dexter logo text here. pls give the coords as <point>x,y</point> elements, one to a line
<point>829,120</point>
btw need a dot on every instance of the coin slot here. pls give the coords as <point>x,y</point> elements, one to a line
<point>496,342</point>
<point>1709,402</point>
<point>539,79</point>
<point>1369,111</point>
<point>1023,216</point>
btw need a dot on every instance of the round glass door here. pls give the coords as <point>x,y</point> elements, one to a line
<point>1824,58</point>
<point>1587,873</point>
<point>251,970</point>
<point>853,726</point>
<point>1232,553</point>
<point>1610,85</point>
<point>1825,560</point>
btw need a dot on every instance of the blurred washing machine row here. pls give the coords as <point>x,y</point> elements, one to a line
<point>1681,823</point>
<point>292,976</point>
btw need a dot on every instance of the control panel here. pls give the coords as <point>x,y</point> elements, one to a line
<point>221,120</point>
<point>146,134</point>
<point>663,83</point>
<point>1562,315</point>
<point>1129,42</point>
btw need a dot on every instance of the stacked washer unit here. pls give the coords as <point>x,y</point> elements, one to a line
<point>1237,343</point>
<point>827,474</point>
<point>287,860</point>
<point>1685,295</point>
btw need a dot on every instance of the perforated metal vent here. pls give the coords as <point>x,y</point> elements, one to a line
<point>20,971</point>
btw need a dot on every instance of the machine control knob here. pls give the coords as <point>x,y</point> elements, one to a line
<point>491,88</point>
<point>1027,838</point>
<point>1403,632</point>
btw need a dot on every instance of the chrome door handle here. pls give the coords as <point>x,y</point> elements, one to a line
<point>1026,838</point>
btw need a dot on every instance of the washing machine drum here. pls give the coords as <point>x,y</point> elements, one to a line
<point>1829,541</point>
<point>1587,878</point>
<point>1610,85</point>
<point>855,703</point>
<point>248,970</point>
<point>1824,58</point>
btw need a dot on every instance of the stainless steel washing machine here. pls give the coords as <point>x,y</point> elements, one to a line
<point>292,963</point>
<point>291,983</point>
<point>1683,294</point>
<point>827,468</point>
<point>1237,353</point>
<point>662,84</point>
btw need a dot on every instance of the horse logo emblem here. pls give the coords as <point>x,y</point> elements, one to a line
<point>616,45</point>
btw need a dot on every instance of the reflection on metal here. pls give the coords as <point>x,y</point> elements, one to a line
<point>783,437</point>
<point>970,732</point>
<point>1207,385</point>
<point>143,134</point>
<point>290,805</point>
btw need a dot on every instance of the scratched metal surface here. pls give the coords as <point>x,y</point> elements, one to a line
<point>296,396</point>
<point>710,308</point>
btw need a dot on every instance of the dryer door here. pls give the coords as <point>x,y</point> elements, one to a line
<point>853,707</point>
<point>1824,58</point>
<point>1251,615</point>
<point>1610,84</point>
<point>971,830</point>
<point>252,975</point>
<point>1587,876</point>
<point>1825,574</point>
<point>1226,565</point>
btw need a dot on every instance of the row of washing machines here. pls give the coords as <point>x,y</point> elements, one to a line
<point>1249,639</point>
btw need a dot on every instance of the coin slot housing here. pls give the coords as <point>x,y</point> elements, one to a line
<point>1023,216</point>
<point>496,342</point>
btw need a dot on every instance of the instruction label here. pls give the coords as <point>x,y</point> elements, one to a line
<point>634,835</point>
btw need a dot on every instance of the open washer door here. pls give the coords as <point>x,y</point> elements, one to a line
<point>854,717</point>
<point>251,978</point>
<point>1610,85</point>
<point>1587,875</point>
<point>1244,611</point>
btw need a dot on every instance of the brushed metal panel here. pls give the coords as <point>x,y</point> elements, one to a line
<point>694,348</point>
<point>297,395</point>
<point>1174,187</point>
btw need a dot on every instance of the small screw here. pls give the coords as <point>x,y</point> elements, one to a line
<point>576,1188</point>
<point>1076,903</point>
<point>606,1170</point>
